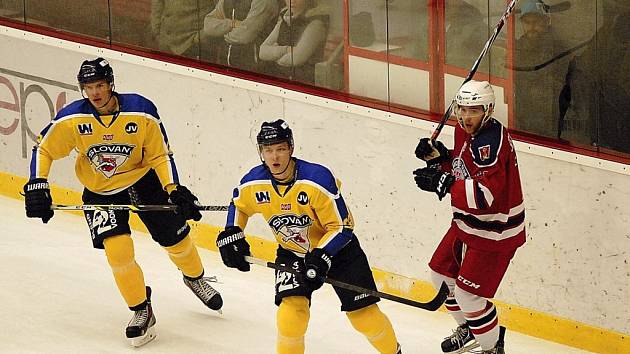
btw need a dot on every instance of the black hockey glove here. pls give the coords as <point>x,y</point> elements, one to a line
<point>187,203</point>
<point>433,154</point>
<point>233,248</point>
<point>432,180</point>
<point>37,199</point>
<point>317,264</point>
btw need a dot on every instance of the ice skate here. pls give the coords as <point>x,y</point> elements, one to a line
<point>206,293</point>
<point>499,347</point>
<point>140,329</point>
<point>461,341</point>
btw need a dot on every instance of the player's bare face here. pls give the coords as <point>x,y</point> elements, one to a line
<point>471,117</point>
<point>277,157</point>
<point>99,93</point>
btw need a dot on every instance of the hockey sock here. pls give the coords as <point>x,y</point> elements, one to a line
<point>292,321</point>
<point>481,316</point>
<point>127,273</point>
<point>376,327</point>
<point>184,255</point>
<point>450,303</point>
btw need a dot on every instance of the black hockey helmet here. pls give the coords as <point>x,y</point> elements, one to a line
<point>274,132</point>
<point>93,70</point>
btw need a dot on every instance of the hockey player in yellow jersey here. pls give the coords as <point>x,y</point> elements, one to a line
<point>302,204</point>
<point>123,158</point>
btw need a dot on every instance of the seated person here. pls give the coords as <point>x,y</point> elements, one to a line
<point>297,42</point>
<point>236,29</point>
<point>175,25</point>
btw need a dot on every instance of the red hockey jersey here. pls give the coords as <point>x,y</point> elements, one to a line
<point>486,197</point>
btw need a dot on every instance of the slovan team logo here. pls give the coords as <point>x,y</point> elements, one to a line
<point>107,158</point>
<point>292,229</point>
<point>459,169</point>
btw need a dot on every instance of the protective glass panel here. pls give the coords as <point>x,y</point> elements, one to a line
<point>408,29</point>
<point>367,61</point>
<point>605,65</point>
<point>466,32</point>
<point>298,39</point>
<point>88,18</point>
<point>12,9</point>
<point>408,56</point>
<point>130,21</point>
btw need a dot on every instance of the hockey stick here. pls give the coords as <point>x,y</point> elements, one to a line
<point>473,70</point>
<point>134,208</point>
<point>432,305</point>
<point>543,64</point>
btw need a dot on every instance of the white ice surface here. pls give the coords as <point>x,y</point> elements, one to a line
<point>57,295</point>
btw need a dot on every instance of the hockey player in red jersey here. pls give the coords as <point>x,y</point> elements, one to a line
<point>481,174</point>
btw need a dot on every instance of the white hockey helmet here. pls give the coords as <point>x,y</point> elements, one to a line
<point>475,93</point>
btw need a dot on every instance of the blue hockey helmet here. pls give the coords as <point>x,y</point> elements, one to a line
<point>274,132</point>
<point>93,70</point>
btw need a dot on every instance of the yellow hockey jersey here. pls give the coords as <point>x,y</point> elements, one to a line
<point>307,214</point>
<point>113,153</point>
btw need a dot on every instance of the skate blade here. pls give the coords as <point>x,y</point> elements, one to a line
<point>142,340</point>
<point>467,348</point>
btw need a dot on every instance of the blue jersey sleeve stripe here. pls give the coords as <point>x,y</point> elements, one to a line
<point>341,208</point>
<point>338,241</point>
<point>173,169</point>
<point>34,164</point>
<point>231,216</point>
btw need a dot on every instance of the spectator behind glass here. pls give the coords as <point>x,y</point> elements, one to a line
<point>466,34</point>
<point>297,42</point>
<point>599,80</point>
<point>237,28</point>
<point>175,25</point>
<point>537,92</point>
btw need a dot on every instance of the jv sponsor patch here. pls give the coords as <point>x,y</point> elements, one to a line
<point>131,128</point>
<point>302,198</point>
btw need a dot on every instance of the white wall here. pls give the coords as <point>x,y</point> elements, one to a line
<point>575,263</point>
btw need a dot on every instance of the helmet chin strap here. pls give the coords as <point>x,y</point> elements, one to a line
<point>283,171</point>
<point>106,103</point>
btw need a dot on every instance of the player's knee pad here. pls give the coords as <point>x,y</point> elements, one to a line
<point>181,249</point>
<point>469,303</point>
<point>293,316</point>
<point>376,327</point>
<point>369,320</point>
<point>437,279</point>
<point>184,255</point>
<point>119,251</point>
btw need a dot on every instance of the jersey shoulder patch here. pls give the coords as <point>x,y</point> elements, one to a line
<point>81,106</point>
<point>257,173</point>
<point>317,174</point>
<point>486,145</point>
<point>132,102</point>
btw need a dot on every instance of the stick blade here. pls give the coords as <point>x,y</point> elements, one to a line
<point>438,300</point>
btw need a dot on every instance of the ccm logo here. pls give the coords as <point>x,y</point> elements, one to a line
<point>468,282</point>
